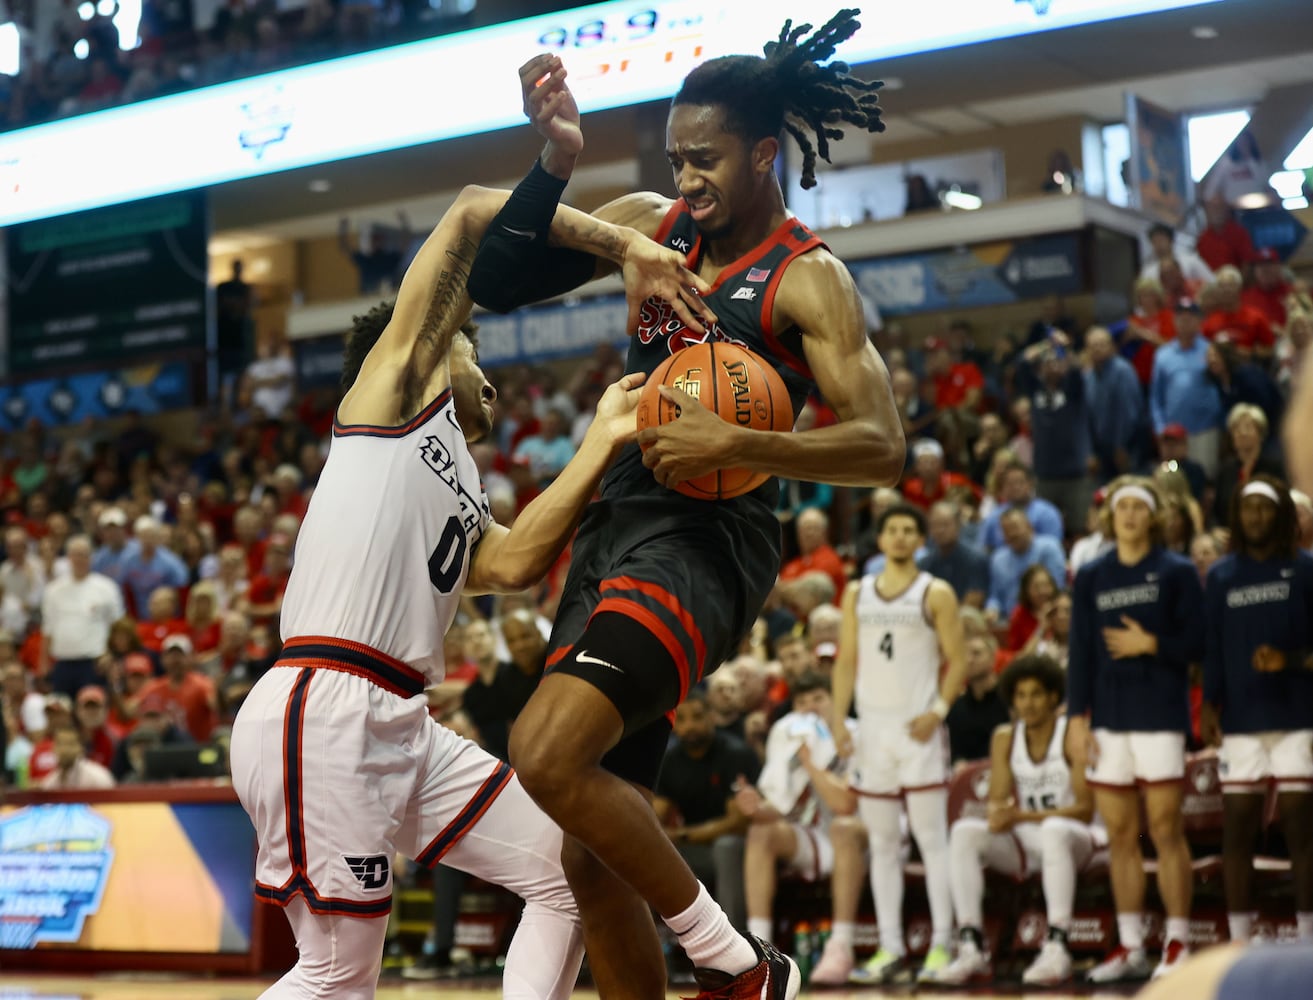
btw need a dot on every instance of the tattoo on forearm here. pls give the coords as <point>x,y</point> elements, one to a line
<point>589,235</point>
<point>448,309</point>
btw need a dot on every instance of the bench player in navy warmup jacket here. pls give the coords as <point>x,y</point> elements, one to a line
<point>1135,629</point>
<point>1258,691</point>
<point>662,587</point>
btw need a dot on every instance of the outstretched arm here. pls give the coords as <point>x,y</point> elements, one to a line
<point>508,560</point>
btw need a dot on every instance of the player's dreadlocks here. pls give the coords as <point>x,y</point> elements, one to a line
<point>789,89</point>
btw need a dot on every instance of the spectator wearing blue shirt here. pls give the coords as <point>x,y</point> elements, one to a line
<point>1258,694</point>
<point>548,451</point>
<point>150,566</point>
<point>115,546</point>
<point>1059,426</point>
<point>1181,390</point>
<point>1116,407</point>
<point>1136,626</point>
<point>963,566</point>
<point>1016,488</point>
<point>1023,548</point>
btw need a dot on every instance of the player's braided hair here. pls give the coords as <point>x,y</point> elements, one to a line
<point>790,90</point>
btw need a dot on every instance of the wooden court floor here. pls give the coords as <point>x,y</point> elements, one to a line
<point>16,986</point>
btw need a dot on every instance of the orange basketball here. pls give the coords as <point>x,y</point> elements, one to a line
<point>731,382</point>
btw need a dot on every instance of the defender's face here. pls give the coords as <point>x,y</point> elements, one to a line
<point>470,391</point>
<point>900,538</point>
<point>714,169</point>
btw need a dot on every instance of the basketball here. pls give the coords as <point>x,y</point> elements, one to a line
<point>736,385</point>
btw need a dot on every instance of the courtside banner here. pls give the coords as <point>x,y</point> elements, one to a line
<point>134,876</point>
<point>618,53</point>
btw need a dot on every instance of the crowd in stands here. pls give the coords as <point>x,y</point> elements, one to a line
<point>77,63</point>
<point>142,577</point>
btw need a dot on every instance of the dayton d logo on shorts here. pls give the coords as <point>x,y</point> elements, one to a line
<point>371,871</point>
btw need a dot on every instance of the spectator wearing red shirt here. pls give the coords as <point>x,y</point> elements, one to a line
<point>815,552</point>
<point>163,619</point>
<point>1037,589</point>
<point>247,526</point>
<point>287,484</point>
<point>1248,328</point>
<point>187,698</point>
<point>59,712</point>
<point>1270,289</point>
<point>203,617</point>
<point>1224,241</point>
<point>92,711</point>
<point>1148,328</point>
<point>265,595</point>
<point>958,388</point>
<point>138,671</point>
<point>929,482</point>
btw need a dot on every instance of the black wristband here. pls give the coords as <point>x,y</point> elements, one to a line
<point>532,204</point>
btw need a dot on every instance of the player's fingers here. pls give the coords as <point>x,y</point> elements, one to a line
<point>532,72</point>
<point>685,314</point>
<point>646,436</point>
<point>692,280</point>
<point>679,397</point>
<point>695,302</point>
<point>632,381</point>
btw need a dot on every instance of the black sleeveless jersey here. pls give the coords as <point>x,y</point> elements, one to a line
<point>742,298</point>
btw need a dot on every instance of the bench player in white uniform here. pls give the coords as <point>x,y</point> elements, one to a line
<point>334,755</point>
<point>898,628</point>
<point>1040,812</point>
<point>802,820</point>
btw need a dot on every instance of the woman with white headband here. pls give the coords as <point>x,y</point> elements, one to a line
<point>1135,631</point>
<point>1258,692</point>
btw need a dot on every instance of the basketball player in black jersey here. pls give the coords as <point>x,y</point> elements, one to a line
<point>662,587</point>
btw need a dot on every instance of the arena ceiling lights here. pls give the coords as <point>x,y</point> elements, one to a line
<point>618,53</point>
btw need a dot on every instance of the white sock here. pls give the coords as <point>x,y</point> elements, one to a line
<point>708,938</point>
<point>1130,930</point>
<point>760,927</point>
<point>1178,929</point>
<point>1304,923</point>
<point>843,932</point>
<point>927,815</point>
<point>1240,926</point>
<point>884,835</point>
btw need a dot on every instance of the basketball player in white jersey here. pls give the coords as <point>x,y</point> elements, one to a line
<point>801,813</point>
<point>899,626</point>
<point>1040,812</point>
<point>334,755</point>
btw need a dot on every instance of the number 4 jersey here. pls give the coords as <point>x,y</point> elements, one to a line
<point>387,540</point>
<point>897,651</point>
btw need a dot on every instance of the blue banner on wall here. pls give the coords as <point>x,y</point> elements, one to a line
<point>988,274</point>
<point>69,399</point>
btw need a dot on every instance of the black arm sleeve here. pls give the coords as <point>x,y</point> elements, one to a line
<point>514,265</point>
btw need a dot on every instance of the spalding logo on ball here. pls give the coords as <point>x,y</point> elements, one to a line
<point>731,382</point>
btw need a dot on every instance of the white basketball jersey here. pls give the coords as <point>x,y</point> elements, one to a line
<point>387,540</point>
<point>897,651</point>
<point>1043,784</point>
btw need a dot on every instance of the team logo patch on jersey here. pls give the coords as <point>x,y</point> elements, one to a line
<point>371,871</point>
<point>758,273</point>
<point>681,244</point>
<point>744,293</point>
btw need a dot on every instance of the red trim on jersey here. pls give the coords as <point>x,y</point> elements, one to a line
<point>677,208</point>
<point>290,808</point>
<point>766,321</point>
<point>399,430</point>
<point>648,619</point>
<point>319,652</point>
<point>1110,787</point>
<point>1141,783</point>
<point>668,601</point>
<point>557,656</point>
<point>892,796</point>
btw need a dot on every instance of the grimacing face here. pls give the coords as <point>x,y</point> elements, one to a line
<point>715,170</point>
